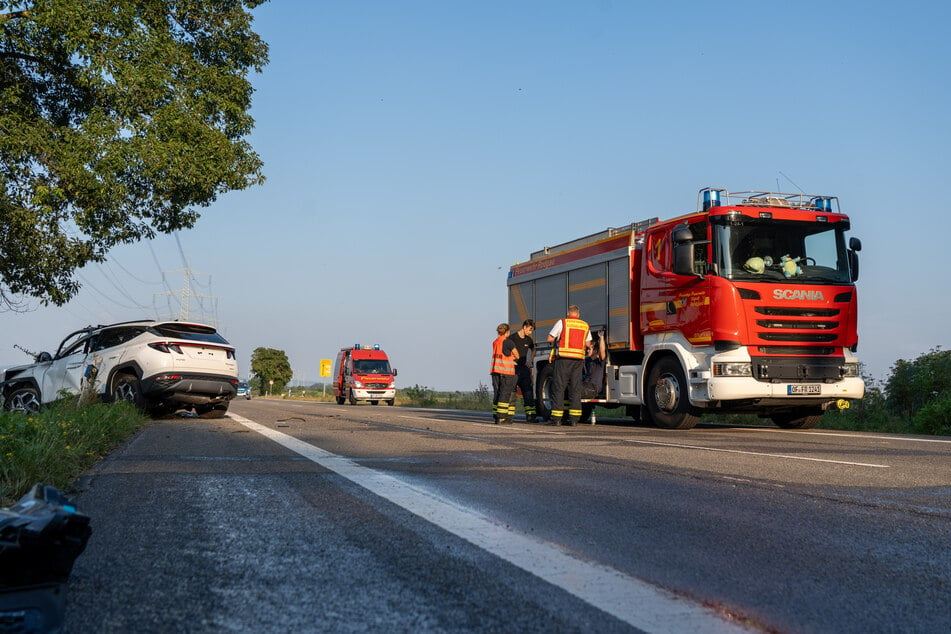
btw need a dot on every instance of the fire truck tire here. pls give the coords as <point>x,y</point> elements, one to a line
<point>391,401</point>
<point>350,397</point>
<point>666,396</point>
<point>804,418</point>
<point>341,400</point>
<point>543,391</point>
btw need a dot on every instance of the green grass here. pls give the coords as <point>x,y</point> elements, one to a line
<point>58,444</point>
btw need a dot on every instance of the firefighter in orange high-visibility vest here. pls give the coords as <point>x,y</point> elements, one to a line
<point>504,355</point>
<point>571,337</point>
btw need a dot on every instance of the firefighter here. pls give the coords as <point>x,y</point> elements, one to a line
<point>525,344</point>
<point>571,337</point>
<point>504,355</point>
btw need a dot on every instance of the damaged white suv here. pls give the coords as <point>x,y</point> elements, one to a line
<point>160,366</point>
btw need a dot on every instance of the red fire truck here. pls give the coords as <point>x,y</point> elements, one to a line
<point>363,373</point>
<point>747,305</point>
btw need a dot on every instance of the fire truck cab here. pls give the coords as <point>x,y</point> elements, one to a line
<point>363,373</point>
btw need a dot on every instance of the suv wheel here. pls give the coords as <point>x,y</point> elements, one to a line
<point>25,400</point>
<point>125,387</point>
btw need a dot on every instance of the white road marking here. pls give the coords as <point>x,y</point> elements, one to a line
<point>631,600</point>
<point>757,453</point>
<point>834,434</point>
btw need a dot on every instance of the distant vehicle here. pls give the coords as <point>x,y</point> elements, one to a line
<point>160,366</point>
<point>243,390</point>
<point>363,373</point>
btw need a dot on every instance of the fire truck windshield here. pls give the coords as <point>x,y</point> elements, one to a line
<point>780,250</point>
<point>371,366</point>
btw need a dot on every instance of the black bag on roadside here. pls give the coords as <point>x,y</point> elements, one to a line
<point>40,538</point>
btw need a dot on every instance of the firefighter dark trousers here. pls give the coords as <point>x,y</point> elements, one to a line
<point>523,382</point>
<point>568,374</point>
<point>503,387</point>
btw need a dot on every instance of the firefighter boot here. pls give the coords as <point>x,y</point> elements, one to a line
<point>573,416</point>
<point>503,417</point>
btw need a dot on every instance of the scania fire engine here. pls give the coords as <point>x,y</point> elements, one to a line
<point>747,305</point>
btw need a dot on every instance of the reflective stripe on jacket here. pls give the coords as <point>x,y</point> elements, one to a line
<point>571,342</point>
<point>501,364</point>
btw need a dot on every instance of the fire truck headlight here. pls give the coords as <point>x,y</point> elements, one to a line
<point>850,370</point>
<point>357,383</point>
<point>732,369</point>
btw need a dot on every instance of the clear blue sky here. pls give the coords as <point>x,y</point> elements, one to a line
<point>416,150</point>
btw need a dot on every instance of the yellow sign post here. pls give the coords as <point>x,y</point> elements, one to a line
<point>325,371</point>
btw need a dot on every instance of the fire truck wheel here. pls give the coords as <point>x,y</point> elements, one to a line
<point>350,397</point>
<point>803,418</point>
<point>340,400</point>
<point>391,401</point>
<point>666,396</point>
<point>543,391</point>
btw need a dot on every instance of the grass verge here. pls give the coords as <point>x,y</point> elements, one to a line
<point>59,443</point>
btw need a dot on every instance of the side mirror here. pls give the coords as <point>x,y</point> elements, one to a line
<point>855,245</point>
<point>683,258</point>
<point>44,357</point>
<point>394,371</point>
<point>682,235</point>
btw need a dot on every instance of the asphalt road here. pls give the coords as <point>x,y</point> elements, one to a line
<point>307,517</point>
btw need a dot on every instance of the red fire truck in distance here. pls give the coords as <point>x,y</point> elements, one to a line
<point>747,305</point>
<point>363,373</point>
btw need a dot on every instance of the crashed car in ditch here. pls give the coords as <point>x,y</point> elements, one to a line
<point>159,366</point>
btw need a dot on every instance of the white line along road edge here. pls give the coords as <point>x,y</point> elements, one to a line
<point>635,602</point>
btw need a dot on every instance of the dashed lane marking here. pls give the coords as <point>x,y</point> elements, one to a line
<point>756,453</point>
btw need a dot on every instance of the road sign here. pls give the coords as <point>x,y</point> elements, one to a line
<point>325,367</point>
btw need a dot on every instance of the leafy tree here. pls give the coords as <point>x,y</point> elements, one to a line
<point>913,384</point>
<point>271,365</point>
<point>117,120</point>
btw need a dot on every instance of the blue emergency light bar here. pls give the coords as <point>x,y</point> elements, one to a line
<point>358,346</point>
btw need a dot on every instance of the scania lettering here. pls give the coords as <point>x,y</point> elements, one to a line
<point>363,373</point>
<point>747,305</point>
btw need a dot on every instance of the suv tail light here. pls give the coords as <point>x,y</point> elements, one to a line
<point>167,348</point>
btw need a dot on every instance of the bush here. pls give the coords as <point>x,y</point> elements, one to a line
<point>934,417</point>
<point>914,384</point>
<point>417,396</point>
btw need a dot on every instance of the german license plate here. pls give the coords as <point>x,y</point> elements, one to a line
<point>806,388</point>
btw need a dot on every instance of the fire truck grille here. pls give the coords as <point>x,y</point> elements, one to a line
<point>377,386</point>
<point>797,312</point>
<point>807,325</point>
<point>797,350</point>
<point>798,337</point>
